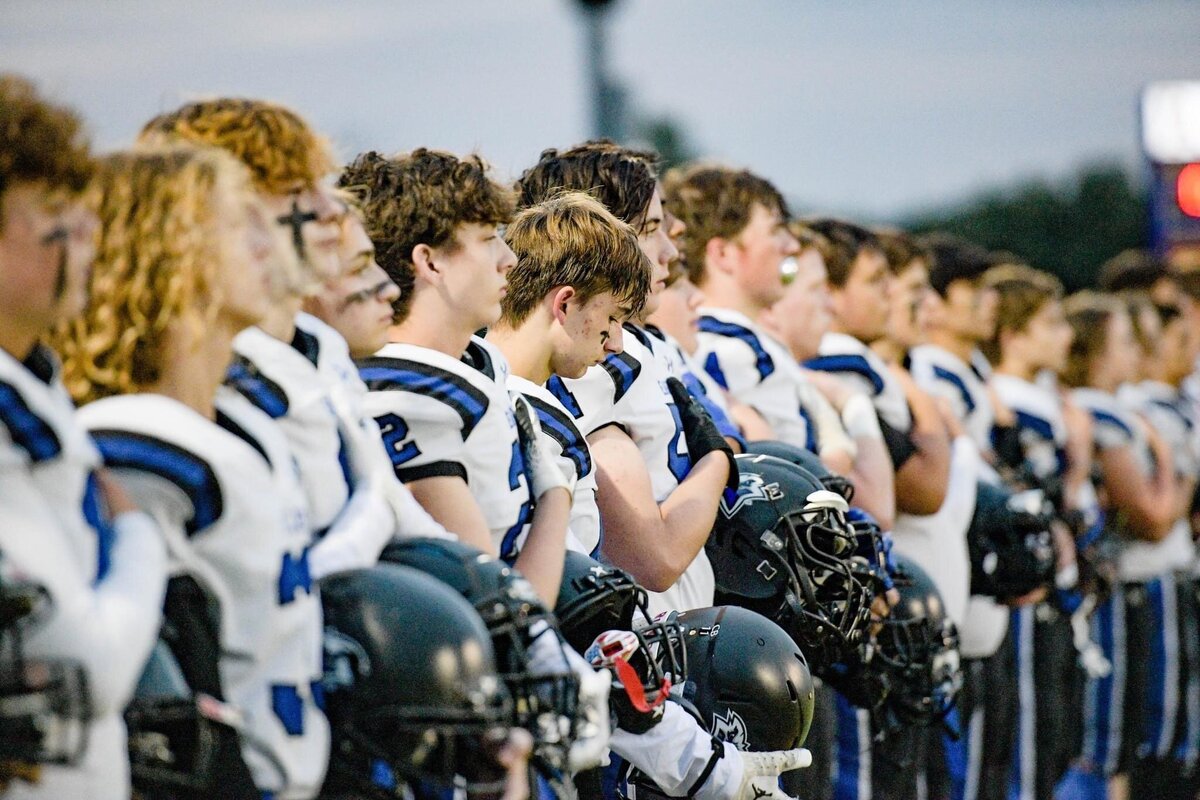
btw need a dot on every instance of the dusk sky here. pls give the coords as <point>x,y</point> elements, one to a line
<point>878,108</point>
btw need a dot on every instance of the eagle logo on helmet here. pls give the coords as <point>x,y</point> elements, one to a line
<point>730,727</point>
<point>344,659</point>
<point>751,489</point>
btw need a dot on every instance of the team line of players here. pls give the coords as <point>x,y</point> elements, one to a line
<point>287,377</point>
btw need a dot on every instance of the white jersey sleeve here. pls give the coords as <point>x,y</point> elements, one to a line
<point>858,366</point>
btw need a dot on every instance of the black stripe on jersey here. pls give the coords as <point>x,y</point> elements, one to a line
<point>267,396</point>
<point>227,422</point>
<point>27,430</point>
<point>476,356</point>
<point>192,474</point>
<point>402,374</point>
<point>639,334</point>
<point>623,369</point>
<point>562,429</point>
<point>307,345</point>
<point>438,469</point>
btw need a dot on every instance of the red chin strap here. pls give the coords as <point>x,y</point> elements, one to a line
<point>632,684</point>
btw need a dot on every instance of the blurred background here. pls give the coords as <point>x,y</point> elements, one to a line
<point>1014,123</point>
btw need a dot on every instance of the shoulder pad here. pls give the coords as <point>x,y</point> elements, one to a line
<point>266,395</point>
<point>454,391</point>
<point>762,359</point>
<point>28,431</point>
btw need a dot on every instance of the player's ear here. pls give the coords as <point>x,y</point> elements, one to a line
<point>560,301</point>
<point>424,266</point>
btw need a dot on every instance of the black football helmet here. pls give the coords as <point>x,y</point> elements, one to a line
<point>747,679</point>
<point>783,548</point>
<point>410,683</point>
<point>174,734</point>
<point>1009,543</point>
<point>594,598</point>
<point>44,702</point>
<point>543,702</point>
<point>806,459</point>
<point>918,646</point>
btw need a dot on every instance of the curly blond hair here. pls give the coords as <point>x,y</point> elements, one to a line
<point>281,150</point>
<point>159,249</point>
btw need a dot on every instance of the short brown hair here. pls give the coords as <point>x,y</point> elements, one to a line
<point>573,240</point>
<point>901,249</point>
<point>418,198</point>
<point>846,241</point>
<point>715,202</point>
<point>622,179</point>
<point>39,141</point>
<point>280,148</point>
<point>1021,293</point>
<point>1089,314</point>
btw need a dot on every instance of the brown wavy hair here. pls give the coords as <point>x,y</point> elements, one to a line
<point>158,253</point>
<point>623,180</point>
<point>281,150</point>
<point>417,198</point>
<point>1089,314</point>
<point>39,141</point>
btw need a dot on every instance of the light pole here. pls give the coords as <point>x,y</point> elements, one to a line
<point>607,96</point>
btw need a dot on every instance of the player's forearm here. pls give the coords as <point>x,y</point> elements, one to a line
<point>542,556</point>
<point>874,486</point>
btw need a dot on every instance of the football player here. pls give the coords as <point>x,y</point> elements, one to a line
<point>148,355</point>
<point>292,366</point>
<point>64,523</point>
<point>1124,710</point>
<point>738,251</point>
<point>658,487</point>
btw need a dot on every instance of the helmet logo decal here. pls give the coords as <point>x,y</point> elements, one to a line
<point>729,727</point>
<point>344,660</point>
<point>751,489</point>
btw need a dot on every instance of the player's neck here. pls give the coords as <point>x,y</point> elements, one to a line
<point>890,350</point>
<point>280,321</point>
<point>731,298</point>
<point>1017,368</point>
<point>193,368</point>
<point>952,343</point>
<point>527,349</point>
<point>424,329</point>
<point>16,339</point>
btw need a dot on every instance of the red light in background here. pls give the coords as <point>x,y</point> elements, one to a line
<point>1187,190</point>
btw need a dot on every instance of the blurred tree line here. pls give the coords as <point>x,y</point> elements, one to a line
<point>1069,227</point>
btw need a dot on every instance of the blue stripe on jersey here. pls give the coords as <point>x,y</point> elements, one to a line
<point>563,395</point>
<point>958,383</point>
<point>1177,411</point>
<point>762,359</point>
<point>406,375</point>
<point>810,431</point>
<point>192,474</point>
<point>344,462</point>
<point>231,425</point>
<point>847,362</point>
<point>1032,422</point>
<point>1107,418</point>
<point>639,334</point>
<point>623,369</point>
<point>712,365</point>
<point>266,395</point>
<point>93,512</point>
<point>561,429</point>
<point>26,429</point>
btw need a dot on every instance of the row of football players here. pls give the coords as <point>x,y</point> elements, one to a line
<point>258,464</point>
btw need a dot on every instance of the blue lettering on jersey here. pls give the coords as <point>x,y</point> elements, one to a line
<point>679,464</point>
<point>958,383</point>
<point>288,707</point>
<point>344,461</point>
<point>516,469</point>
<point>847,362</point>
<point>192,474</point>
<point>406,375</point>
<point>93,512</point>
<point>294,576</point>
<point>561,393</point>
<point>26,429</point>
<point>762,359</point>
<point>395,439</point>
<point>623,369</point>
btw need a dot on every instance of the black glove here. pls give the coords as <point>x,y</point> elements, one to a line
<point>700,431</point>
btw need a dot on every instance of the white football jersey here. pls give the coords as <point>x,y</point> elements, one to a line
<point>1040,427</point>
<point>859,366</point>
<point>943,374</point>
<point>568,443</point>
<point>442,416</point>
<point>759,371</point>
<point>629,389</point>
<point>209,484</point>
<point>103,584</point>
